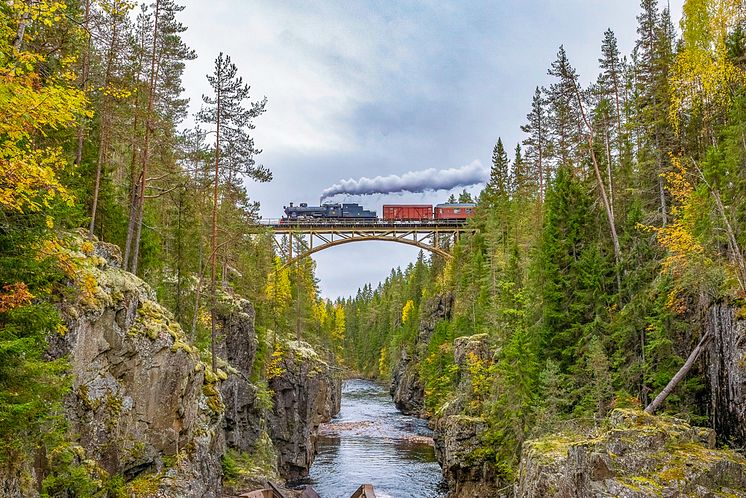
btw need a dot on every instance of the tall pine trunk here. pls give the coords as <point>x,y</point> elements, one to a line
<point>103,146</point>
<point>214,231</point>
<point>140,200</point>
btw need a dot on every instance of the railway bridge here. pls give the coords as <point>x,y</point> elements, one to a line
<point>296,240</point>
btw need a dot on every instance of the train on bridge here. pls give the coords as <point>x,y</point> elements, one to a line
<point>391,212</point>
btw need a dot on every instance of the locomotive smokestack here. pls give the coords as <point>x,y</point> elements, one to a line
<point>413,181</point>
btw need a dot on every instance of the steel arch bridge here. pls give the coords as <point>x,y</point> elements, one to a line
<point>297,240</point>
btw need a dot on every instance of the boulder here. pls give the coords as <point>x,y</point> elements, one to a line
<point>458,436</point>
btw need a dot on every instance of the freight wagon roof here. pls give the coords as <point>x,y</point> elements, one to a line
<point>457,205</point>
<point>407,205</point>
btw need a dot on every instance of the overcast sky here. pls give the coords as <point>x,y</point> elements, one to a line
<point>373,87</point>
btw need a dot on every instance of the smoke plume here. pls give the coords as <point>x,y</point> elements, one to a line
<point>413,181</point>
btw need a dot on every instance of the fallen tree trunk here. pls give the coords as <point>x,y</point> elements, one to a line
<point>658,401</point>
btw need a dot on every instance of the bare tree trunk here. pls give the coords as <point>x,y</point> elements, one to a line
<point>608,168</point>
<point>658,401</point>
<point>146,141</point>
<point>84,80</point>
<point>103,146</point>
<point>214,227</point>
<point>18,41</point>
<point>599,179</point>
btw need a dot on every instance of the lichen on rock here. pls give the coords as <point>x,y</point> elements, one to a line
<point>636,455</point>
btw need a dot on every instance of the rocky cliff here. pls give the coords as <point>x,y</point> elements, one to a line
<point>636,456</point>
<point>307,392</point>
<point>244,414</point>
<point>725,363</point>
<point>458,435</point>
<point>142,403</point>
<point>407,389</point>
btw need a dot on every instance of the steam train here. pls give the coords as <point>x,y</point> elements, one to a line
<point>391,212</point>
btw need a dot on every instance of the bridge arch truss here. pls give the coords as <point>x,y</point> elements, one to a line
<point>294,242</point>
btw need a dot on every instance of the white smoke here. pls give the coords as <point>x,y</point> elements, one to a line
<point>413,181</point>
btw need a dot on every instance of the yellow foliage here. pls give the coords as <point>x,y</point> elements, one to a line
<point>320,314</point>
<point>278,289</point>
<point>340,325</point>
<point>407,311</point>
<point>702,75</point>
<point>683,249</point>
<point>87,248</point>
<point>29,106</point>
<point>382,363</point>
<point>274,367</point>
<point>481,380</point>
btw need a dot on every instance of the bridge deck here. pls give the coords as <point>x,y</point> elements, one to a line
<point>364,226</point>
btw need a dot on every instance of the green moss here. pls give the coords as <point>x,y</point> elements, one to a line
<point>144,485</point>
<point>214,399</point>
<point>83,396</point>
<point>555,446</point>
<point>257,465</point>
<point>641,484</point>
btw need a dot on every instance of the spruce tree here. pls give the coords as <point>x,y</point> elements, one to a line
<point>610,80</point>
<point>520,180</point>
<point>499,182</point>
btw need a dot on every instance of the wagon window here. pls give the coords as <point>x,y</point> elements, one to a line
<point>456,211</point>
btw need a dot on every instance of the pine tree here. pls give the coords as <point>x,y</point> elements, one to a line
<point>498,184</point>
<point>234,149</point>
<point>167,53</point>
<point>537,142</point>
<point>570,292</point>
<point>564,114</point>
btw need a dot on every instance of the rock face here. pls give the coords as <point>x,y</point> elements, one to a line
<point>456,439</point>
<point>725,362</point>
<point>242,420</point>
<point>140,404</point>
<point>406,388</point>
<point>306,393</point>
<point>457,436</point>
<point>639,456</point>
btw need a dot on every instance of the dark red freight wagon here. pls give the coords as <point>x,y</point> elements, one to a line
<point>454,211</point>
<point>407,212</point>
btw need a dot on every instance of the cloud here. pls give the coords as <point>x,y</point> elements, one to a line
<point>414,181</point>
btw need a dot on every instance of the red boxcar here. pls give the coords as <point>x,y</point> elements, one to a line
<point>454,211</point>
<point>407,212</point>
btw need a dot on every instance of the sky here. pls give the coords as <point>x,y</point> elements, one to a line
<point>371,87</point>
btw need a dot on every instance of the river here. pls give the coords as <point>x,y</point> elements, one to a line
<point>370,441</point>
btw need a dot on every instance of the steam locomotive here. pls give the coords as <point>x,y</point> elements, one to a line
<point>391,212</point>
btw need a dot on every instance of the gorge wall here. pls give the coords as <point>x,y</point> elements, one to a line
<point>146,407</point>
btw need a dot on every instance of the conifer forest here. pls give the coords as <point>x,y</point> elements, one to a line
<point>590,321</point>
